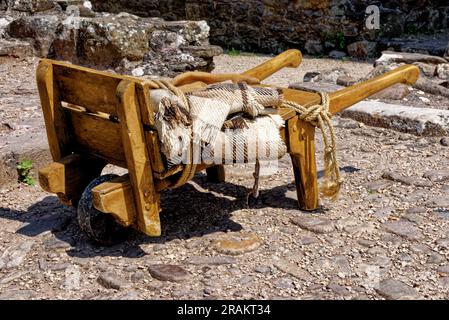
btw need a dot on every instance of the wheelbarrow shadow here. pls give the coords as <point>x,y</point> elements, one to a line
<point>196,209</point>
<point>282,196</point>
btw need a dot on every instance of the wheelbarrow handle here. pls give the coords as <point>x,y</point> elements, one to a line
<point>210,78</point>
<point>291,58</point>
<point>345,98</point>
<point>189,81</point>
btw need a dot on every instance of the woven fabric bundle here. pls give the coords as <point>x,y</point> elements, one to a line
<point>231,123</point>
<point>250,140</point>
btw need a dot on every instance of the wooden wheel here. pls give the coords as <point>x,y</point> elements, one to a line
<point>99,226</point>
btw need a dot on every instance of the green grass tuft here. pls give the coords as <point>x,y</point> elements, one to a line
<point>23,169</point>
<point>234,53</point>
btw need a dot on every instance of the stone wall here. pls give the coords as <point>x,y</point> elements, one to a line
<point>274,25</point>
<point>121,42</point>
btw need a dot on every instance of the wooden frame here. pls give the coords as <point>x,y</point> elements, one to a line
<point>94,118</point>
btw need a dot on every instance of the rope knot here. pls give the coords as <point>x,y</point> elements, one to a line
<point>329,149</point>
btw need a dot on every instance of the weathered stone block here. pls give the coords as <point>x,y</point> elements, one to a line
<point>418,121</point>
<point>103,42</point>
<point>134,45</point>
<point>443,71</point>
<point>39,29</point>
<point>314,47</point>
<point>362,49</point>
<point>389,57</point>
<point>16,48</point>
<point>396,92</point>
<point>429,70</point>
<point>31,6</point>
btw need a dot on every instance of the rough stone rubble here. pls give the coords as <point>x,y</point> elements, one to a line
<point>70,30</point>
<point>320,27</point>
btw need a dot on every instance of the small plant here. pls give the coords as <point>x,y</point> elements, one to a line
<point>337,39</point>
<point>23,169</point>
<point>233,52</point>
<point>340,40</point>
<point>412,29</point>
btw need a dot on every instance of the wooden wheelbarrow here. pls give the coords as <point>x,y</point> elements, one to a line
<point>96,118</point>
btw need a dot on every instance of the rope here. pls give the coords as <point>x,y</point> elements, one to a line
<point>320,116</point>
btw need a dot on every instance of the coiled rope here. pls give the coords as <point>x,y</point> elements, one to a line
<point>320,116</point>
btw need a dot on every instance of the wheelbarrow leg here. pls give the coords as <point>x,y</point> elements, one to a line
<point>301,141</point>
<point>216,174</point>
<point>301,134</point>
<point>69,176</point>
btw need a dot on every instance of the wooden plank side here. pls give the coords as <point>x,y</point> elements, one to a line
<point>143,93</point>
<point>155,153</point>
<point>138,161</point>
<point>90,70</point>
<point>87,89</point>
<point>54,115</point>
<point>152,140</point>
<point>97,137</point>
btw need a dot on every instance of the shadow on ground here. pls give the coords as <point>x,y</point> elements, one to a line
<point>196,209</point>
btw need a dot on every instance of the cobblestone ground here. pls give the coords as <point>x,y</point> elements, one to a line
<point>386,237</point>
